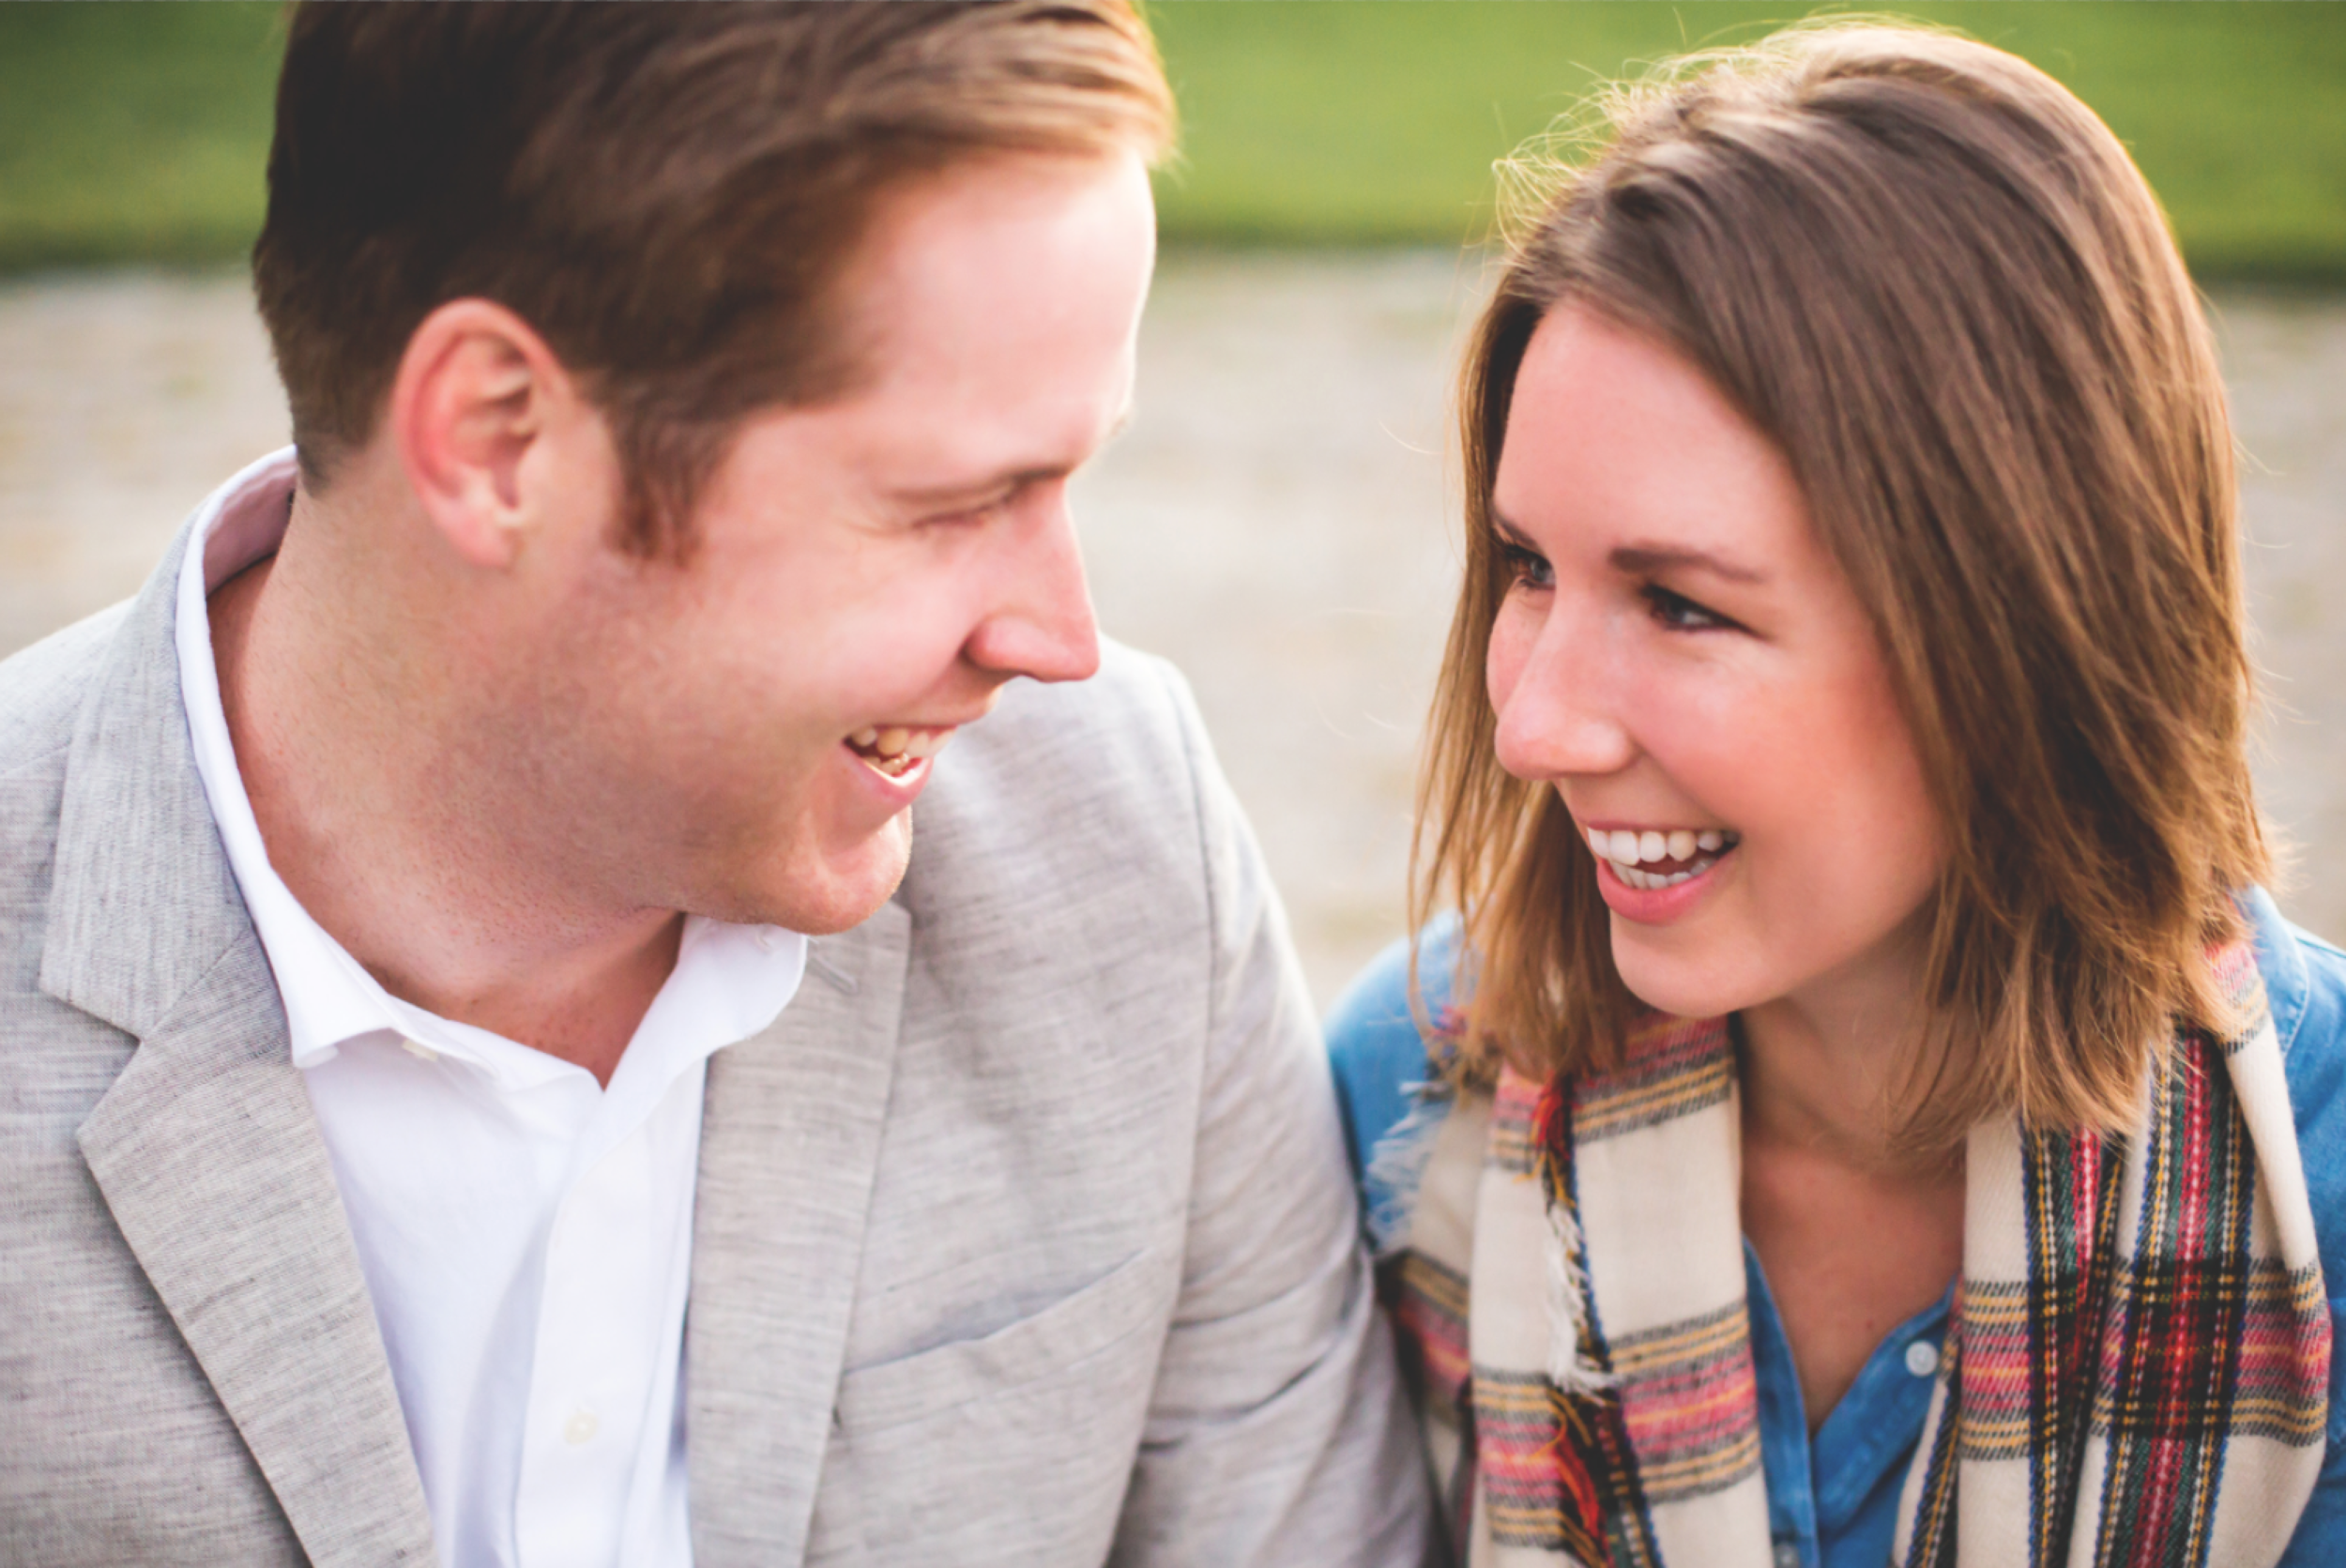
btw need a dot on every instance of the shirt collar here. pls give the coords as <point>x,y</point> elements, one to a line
<point>729,981</point>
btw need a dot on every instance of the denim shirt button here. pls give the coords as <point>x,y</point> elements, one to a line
<point>1922,1357</point>
<point>1788,1554</point>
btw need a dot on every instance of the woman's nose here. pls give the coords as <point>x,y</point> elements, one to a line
<point>1555,695</point>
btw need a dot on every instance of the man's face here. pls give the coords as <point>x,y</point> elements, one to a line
<point>745,730</point>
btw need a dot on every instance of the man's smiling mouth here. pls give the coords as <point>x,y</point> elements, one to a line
<point>1653,857</point>
<point>896,750</point>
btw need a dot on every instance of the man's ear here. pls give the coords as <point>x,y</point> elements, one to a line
<point>476,396</point>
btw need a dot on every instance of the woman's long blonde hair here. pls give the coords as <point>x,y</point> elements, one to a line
<point>1937,282</point>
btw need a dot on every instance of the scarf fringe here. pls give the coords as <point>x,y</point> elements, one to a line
<point>1395,1168</point>
<point>1568,1306</point>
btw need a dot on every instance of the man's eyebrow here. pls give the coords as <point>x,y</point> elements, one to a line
<point>1648,560</point>
<point>1007,482</point>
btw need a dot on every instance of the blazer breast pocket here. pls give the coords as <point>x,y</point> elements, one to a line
<point>1014,1447</point>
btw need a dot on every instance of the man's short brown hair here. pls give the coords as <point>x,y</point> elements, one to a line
<point>668,193</point>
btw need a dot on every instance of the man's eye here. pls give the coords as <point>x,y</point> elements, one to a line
<point>983,510</point>
<point>1528,567</point>
<point>966,516</point>
<point>1681,614</point>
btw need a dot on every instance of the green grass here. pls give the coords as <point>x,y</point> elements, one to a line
<point>1338,123</point>
<point>138,132</point>
<point>133,132</point>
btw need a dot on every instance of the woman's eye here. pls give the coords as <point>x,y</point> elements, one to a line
<point>1527,568</point>
<point>1681,614</point>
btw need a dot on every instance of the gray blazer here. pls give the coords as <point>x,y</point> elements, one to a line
<point>1023,1237</point>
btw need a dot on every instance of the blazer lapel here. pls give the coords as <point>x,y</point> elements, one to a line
<point>790,1144</point>
<point>209,1157</point>
<point>206,1147</point>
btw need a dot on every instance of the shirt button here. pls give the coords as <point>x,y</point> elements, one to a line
<point>1788,1554</point>
<point>1922,1357</point>
<point>581,1427</point>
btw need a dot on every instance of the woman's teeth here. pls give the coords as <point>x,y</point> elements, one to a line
<point>896,750</point>
<point>1668,858</point>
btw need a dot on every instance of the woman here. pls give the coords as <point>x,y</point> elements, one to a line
<point>1864,1110</point>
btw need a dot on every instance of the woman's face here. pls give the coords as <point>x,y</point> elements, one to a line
<point>1682,660</point>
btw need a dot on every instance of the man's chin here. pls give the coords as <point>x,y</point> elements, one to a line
<point>822,895</point>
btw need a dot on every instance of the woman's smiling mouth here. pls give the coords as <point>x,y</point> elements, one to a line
<point>1655,858</point>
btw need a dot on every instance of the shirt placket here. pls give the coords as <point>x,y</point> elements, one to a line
<point>597,1340</point>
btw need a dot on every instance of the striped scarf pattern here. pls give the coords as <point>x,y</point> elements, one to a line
<point>2137,1366</point>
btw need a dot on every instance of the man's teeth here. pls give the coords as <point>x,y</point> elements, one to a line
<point>1626,848</point>
<point>896,748</point>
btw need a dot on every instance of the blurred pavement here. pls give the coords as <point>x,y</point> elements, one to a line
<point>1276,521</point>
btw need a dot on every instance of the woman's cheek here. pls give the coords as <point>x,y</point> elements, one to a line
<point>1513,635</point>
<point>1514,630</point>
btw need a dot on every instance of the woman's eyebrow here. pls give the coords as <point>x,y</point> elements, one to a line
<point>1511,535</point>
<point>1646,559</point>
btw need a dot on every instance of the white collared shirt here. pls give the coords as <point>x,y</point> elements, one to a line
<point>527,1235</point>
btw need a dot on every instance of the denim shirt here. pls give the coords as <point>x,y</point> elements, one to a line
<point>1833,1498</point>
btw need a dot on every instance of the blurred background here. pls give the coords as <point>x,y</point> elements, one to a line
<point>1279,518</point>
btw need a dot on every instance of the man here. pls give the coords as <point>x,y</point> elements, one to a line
<point>481,1077</point>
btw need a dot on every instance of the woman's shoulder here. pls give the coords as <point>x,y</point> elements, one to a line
<point>1381,1044</point>
<point>2305,984</point>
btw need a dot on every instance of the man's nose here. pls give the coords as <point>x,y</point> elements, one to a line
<point>1562,716</point>
<point>1042,624</point>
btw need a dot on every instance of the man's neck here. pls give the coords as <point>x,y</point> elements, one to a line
<point>386,815</point>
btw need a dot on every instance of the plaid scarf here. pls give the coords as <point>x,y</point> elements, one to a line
<point>2137,1363</point>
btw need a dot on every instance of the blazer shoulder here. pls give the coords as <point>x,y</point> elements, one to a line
<point>43,687</point>
<point>1077,825</point>
<point>1118,764</point>
<point>43,691</point>
<point>1134,717</point>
